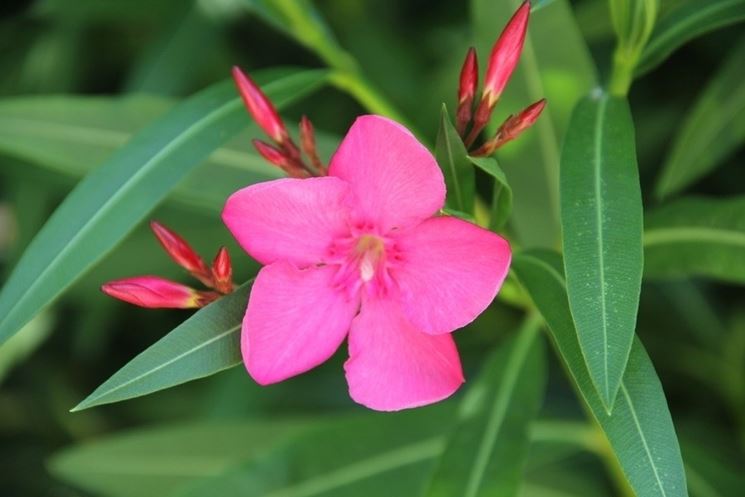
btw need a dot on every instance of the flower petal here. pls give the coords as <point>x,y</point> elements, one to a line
<point>395,178</point>
<point>452,270</point>
<point>295,321</point>
<point>291,220</point>
<point>392,365</point>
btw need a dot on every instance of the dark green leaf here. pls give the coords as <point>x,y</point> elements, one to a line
<point>714,128</point>
<point>205,344</point>
<point>601,221</point>
<point>486,453</point>
<point>110,201</point>
<point>160,461</point>
<point>560,72</point>
<point>697,236</point>
<point>691,19</point>
<point>452,157</point>
<point>640,429</point>
<point>501,206</point>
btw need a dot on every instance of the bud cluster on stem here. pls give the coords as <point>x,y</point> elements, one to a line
<point>157,292</point>
<point>283,153</point>
<point>503,60</point>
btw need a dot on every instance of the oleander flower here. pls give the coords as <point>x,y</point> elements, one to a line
<point>363,253</point>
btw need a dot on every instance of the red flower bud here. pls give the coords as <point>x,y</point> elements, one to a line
<point>222,271</point>
<point>512,128</point>
<point>260,107</point>
<point>182,253</point>
<point>154,292</point>
<point>279,158</point>
<point>308,142</point>
<point>469,81</point>
<point>505,54</point>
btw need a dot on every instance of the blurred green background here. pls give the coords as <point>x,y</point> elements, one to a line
<point>80,76</point>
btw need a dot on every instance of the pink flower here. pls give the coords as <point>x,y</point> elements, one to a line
<point>364,253</point>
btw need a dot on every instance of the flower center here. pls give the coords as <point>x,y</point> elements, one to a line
<point>371,252</point>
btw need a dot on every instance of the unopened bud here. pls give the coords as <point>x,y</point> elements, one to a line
<point>182,253</point>
<point>469,81</point>
<point>260,107</point>
<point>157,293</point>
<point>279,158</point>
<point>308,142</point>
<point>222,271</point>
<point>512,128</point>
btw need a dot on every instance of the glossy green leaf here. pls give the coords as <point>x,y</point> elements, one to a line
<point>206,343</point>
<point>640,429</point>
<point>697,237</point>
<point>160,461</point>
<point>486,453</point>
<point>352,457</point>
<point>690,20</point>
<point>452,157</point>
<point>713,129</point>
<point>601,221</point>
<point>560,72</point>
<point>110,201</point>
<point>501,203</point>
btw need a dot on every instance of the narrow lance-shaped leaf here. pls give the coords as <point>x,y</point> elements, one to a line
<point>691,19</point>
<point>452,157</point>
<point>110,201</point>
<point>640,429</point>
<point>713,129</point>
<point>601,221</point>
<point>501,203</point>
<point>697,237</point>
<point>206,343</point>
<point>486,453</point>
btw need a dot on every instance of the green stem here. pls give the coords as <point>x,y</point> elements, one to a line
<point>622,75</point>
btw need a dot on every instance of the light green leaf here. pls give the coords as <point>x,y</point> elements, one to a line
<point>501,204</point>
<point>452,157</point>
<point>486,453</point>
<point>560,72</point>
<point>697,237</point>
<point>601,221</point>
<point>640,429</point>
<point>111,200</point>
<point>690,20</point>
<point>351,457</point>
<point>206,343</point>
<point>160,461</point>
<point>713,129</point>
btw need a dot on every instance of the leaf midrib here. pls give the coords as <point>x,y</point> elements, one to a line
<point>91,401</point>
<point>451,163</point>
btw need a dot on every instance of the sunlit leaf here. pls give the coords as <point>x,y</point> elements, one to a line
<point>713,130</point>
<point>206,343</point>
<point>640,429</point>
<point>486,453</point>
<point>111,200</point>
<point>689,20</point>
<point>601,221</point>
<point>697,237</point>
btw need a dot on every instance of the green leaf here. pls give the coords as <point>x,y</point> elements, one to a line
<point>690,20</point>
<point>697,237</point>
<point>713,129</point>
<point>601,221</point>
<point>111,200</point>
<point>486,453</point>
<point>640,429</point>
<point>166,459</point>
<point>560,72</point>
<point>351,457</point>
<point>452,157</point>
<point>206,343</point>
<point>501,204</point>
